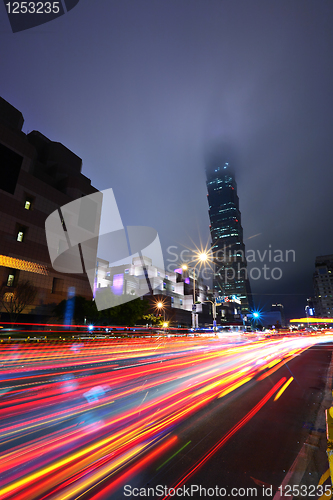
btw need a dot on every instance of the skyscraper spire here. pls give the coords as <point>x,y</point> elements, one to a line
<point>230,277</point>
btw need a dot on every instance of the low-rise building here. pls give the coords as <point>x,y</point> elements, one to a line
<point>172,289</point>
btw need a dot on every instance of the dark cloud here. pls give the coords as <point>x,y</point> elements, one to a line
<point>140,89</point>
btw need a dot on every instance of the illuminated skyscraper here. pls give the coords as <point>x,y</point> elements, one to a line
<point>230,276</point>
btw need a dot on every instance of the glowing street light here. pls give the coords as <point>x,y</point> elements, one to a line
<point>203,257</point>
<point>256,315</point>
<point>160,306</point>
<point>200,258</point>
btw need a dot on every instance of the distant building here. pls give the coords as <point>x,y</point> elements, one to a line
<point>37,177</point>
<point>230,276</point>
<point>323,286</point>
<point>280,316</point>
<point>229,311</point>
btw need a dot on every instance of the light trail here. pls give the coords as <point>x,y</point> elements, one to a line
<point>79,416</point>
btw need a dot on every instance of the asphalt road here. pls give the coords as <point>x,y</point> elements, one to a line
<point>257,457</point>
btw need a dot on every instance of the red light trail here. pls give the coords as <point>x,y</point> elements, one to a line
<point>81,417</point>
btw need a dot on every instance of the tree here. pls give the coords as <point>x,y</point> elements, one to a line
<point>152,320</point>
<point>83,309</point>
<point>14,299</point>
<point>127,314</point>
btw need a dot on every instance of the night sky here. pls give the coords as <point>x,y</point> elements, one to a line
<point>141,89</point>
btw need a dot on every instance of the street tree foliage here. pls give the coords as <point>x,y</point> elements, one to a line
<point>86,311</point>
<point>152,319</point>
<point>14,299</point>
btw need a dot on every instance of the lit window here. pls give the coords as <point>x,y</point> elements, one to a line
<point>20,236</point>
<point>10,279</point>
<point>8,297</point>
<point>28,201</point>
<point>21,232</point>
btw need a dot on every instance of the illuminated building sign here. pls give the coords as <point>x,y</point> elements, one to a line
<point>233,298</point>
<point>22,265</point>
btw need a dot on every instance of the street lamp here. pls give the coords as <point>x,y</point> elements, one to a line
<point>160,306</point>
<point>256,316</point>
<point>201,257</point>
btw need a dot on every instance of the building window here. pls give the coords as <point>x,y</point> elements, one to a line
<point>20,236</point>
<point>164,286</point>
<point>8,297</point>
<point>10,279</point>
<point>57,285</point>
<point>10,166</point>
<point>21,233</point>
<point>28,201</point>
<point>126,271</point>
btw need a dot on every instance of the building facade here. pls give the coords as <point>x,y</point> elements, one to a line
<point>323,286</point>
<point>174,290</point>
<point>230,276</point>
<point>281,318</point>
<point>37,177</point>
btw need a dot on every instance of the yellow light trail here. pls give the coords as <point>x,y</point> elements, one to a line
<point>283,388</point>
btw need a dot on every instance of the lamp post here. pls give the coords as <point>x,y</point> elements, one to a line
<point>201,258</point>
<point>161,306</point>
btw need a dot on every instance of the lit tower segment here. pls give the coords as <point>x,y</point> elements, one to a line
<point>227,235</point>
